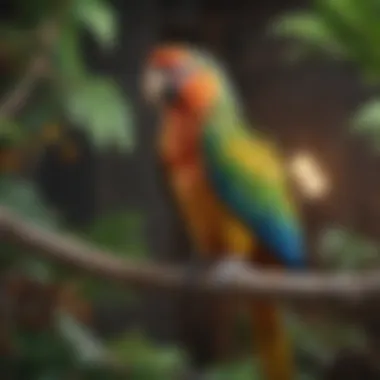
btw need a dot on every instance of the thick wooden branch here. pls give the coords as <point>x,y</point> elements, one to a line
<point>334,289</point>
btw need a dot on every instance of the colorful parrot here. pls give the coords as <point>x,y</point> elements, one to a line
<point>228,182</point>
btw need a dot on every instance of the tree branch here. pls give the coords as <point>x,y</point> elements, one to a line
<point>335,289</point>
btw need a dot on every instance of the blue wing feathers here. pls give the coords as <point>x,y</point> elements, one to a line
<point>283,236</point>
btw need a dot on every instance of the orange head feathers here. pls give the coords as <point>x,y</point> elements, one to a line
<point>179,76</point>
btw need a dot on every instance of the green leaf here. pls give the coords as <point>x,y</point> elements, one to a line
<point>302,25</point>
<point>147,360</point>
<point>22,197</point>
<point>97,106</point>
<point>308,28</point>
<point>349,24</point>
<point>99,18</point>
<point>68,56</point>
<point>367,122</point>
<point>367,118</point>
<point>87,347</point>
<point>321,338</point>
<point>120,232</point>
<point>342,249</point>
<point>332,240</point>
<point>10,132</point>
<point>345,29</point>
<point>239,370</point>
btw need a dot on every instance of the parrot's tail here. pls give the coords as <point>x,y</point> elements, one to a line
<point>272,345</point>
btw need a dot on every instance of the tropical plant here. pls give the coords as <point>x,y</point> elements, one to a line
<point>343,30</point>
<point>46,89</point>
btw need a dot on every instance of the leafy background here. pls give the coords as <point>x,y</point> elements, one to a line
<point>61,342</point>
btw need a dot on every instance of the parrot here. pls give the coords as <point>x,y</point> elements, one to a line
<point>228,181</point>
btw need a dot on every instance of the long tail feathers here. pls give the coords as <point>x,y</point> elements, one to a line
<point>271,342</point>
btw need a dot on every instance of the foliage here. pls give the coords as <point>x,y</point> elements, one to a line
<point>92,102</point>
<point>21,196</point>
<point>148,361</point>
<point>70,91</point>
<point>239,370</point>
<point>70,348</point>
<point>246,370</point>
<point>99,18</point>
<point>339,249</point>
<point>121,234</point>
<point>342,249</point>
<point>367,121</point>
<point>67,94</point>
<point>96,105</point>
<point>346,30</point>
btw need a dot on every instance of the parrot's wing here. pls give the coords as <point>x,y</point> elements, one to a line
<point>247,175</point>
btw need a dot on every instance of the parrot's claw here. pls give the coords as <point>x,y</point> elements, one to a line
<point>228,269</point>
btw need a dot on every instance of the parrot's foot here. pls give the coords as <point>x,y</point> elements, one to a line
<point>229,269</point>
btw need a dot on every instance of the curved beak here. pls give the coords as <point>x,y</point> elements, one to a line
<point>154,83</point>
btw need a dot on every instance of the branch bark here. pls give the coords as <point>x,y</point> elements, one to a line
<point>336,290</point>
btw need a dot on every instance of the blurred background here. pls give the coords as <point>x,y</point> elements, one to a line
<point>77,157</point>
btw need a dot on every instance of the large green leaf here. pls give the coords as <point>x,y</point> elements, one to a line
<point>358,16</point>
<point>307,27</point>
<point>349,21</point>
<point>97,105</point>
<point>99,18</point>
<point>93,103</point>
<point>347,29</point>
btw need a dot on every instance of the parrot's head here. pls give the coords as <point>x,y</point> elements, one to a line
<point>182,76</point>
